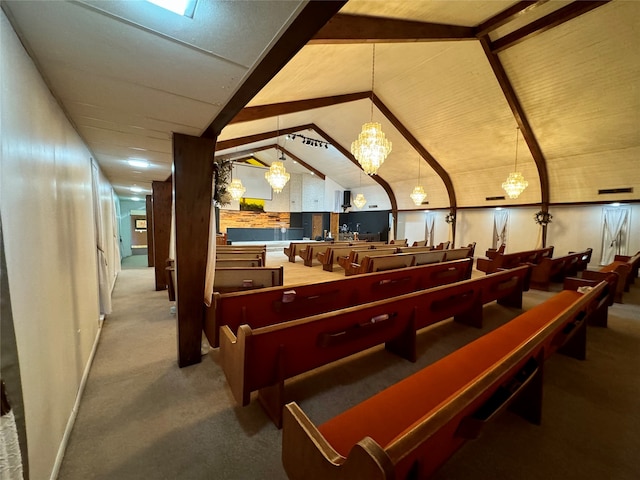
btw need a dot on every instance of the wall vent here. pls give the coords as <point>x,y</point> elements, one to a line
<point>425,203</point>
<point>495,198</point>
<point>373,206</point>
<point>605,191</point>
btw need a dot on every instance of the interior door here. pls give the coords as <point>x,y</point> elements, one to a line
<point>316,226</point>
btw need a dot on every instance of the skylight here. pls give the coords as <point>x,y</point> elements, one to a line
<point>181,7</point>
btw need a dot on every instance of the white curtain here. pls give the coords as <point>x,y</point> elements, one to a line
<point>115,238</point>
<point>615,220</point>
<point>539,238</point>
<point>500,218</point>
<point>391,236</point>
<point>211,257</point>
<point>429,228</point>
<point>103,271</point>
<point>10,456</point>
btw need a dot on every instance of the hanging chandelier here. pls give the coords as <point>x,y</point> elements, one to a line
<point>418,195</point>
<point>277,175</point>
<point>371,148</point>
<point>515,183</point>
<point>236,189</point>
<point>359,201</point>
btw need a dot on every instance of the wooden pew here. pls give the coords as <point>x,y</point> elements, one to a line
<point>492,252</point>
<point>356,256</point>
<point>263,358</point>
<point>414,249</point>
<point>268,306</point>
<point>293,250</point>
<point>410,429</point>
<point>239,262</point>
<point>620,264</point>
<point>405,258</point>
<point>555,269</point>
<point>329,257</point>
<point>419,243</point>
<point>309,252</point>
<point>231,249</point>
<point>442,246</point>
<point>510,260</point>
<point>622,268</point>
<point>401,242</point>
<point>261,256</point>
<point>600,315</point>
<point>234,279</point>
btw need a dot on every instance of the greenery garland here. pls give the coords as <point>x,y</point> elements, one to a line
<point>222,178</point>
<point>542,218</point>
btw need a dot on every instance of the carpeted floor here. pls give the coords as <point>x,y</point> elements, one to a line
<point>143,417</point>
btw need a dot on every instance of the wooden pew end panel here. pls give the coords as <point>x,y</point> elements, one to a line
<point>232,360</point>
<point>307,455</point>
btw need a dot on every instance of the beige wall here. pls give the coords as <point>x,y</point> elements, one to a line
<point>48,223</point>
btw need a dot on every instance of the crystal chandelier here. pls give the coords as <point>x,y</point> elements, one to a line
<point>236,189</point>
<point>418,195</point>
<point>371,148</point>
<point>277,176</point>
<point>515,183</point>
<point>359,201</point>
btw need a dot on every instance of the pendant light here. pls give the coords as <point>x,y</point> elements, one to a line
<point>277,175</point>
<point>371,148</point>
<point>515,184</point>
<point>418,195</point>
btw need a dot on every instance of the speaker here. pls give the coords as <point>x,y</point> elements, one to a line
<point>346,199</point>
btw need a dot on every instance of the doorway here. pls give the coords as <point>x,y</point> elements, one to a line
<point>316,226</point>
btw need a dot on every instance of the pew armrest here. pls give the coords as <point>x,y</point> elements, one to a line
<point>301,439</point>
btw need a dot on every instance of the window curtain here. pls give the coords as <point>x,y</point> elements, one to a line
<point>615,220</point>
<point>429,228</point>
<point>211,255</point>
<point>103,270</point>
<point>115,234</point>
<point>390,236</point>
<point>500,218</point>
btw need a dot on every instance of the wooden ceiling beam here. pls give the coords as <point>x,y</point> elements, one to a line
<point>260,112</point>
<point>258,137</point>
<point>312,18</point>
<point>343,28</point>
<point>507,16</point>
<point>241,153</point>
<point>545,23</point>
<point>520,116</point>
<point>316,172</point>
<point>424,153</point>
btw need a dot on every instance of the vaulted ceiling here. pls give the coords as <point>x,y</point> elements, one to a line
<point>453,82</point>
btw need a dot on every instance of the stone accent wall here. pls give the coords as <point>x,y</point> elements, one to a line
<point>236,219</point>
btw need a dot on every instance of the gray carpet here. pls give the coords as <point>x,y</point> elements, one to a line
<point>143,417</point>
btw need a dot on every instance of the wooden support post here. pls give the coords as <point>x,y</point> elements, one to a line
<point>150,253</point>
<point>161,230</point>
<point>192,179</point>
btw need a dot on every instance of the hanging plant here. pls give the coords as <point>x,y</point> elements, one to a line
<point>543,218</point>
<point>222,177</point>
<point>450,218</point>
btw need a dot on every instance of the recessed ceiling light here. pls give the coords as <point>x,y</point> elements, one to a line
<point>181,7</point>
<point>138,162</point>
<point>136,199</point>
<point>135,189</point>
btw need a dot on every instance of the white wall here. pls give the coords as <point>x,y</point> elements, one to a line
<point>572,228</point>
<point>48,223</point>
<point>125,223</point>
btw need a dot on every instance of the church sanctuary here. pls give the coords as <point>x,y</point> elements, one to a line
<point>320,239</point>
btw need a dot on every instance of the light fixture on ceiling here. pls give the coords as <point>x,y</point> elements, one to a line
<point>371,148</point>
<point>360,201</point>
<point>515,183</point>
<point>136,189</point>
<point>138,162</point>
<point>235,187</point>
<point>312,142</point>
<point>185,8</point>
<point>277,175</point>
<point>418,195</point>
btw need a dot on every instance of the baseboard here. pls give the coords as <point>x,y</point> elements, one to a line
<point>74,412</point>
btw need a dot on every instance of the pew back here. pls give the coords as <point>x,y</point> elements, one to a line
<point>267,306</point>
<point>411,428</point>
<point>233,279</point>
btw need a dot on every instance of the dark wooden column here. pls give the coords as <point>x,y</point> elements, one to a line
<point>192,177</point>
<point>161,230</point>
<point>150,259</point>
